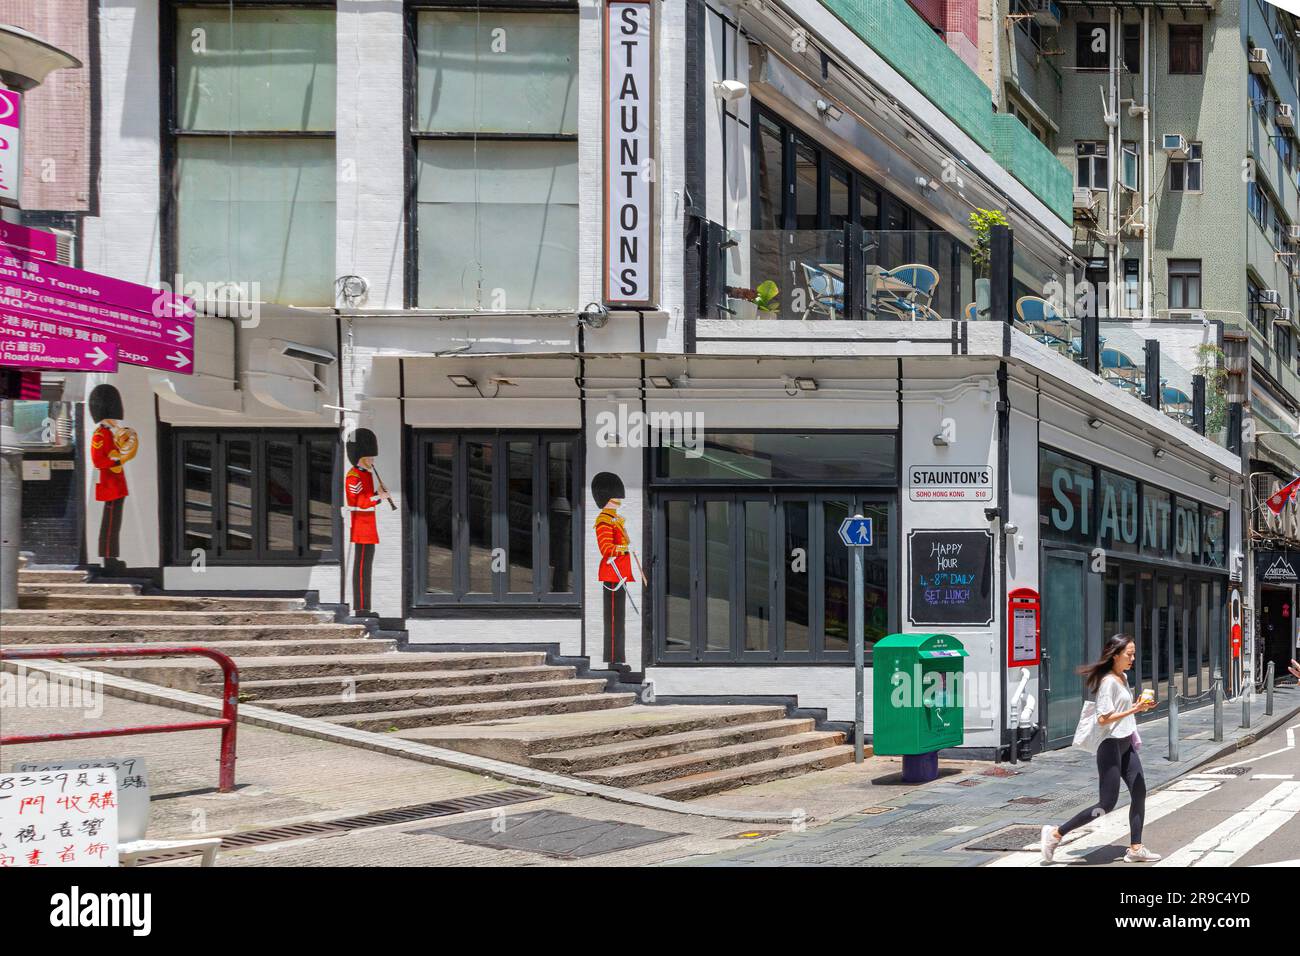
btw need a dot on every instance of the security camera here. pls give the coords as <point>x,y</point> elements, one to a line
<point>730,90</point>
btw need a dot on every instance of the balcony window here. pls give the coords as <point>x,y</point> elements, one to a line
<point>1184,283</point>
<point>1185,48</point>
<point>496,156</point>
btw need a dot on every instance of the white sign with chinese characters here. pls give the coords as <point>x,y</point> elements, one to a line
<point>58,818</point>
<point>629,153</point>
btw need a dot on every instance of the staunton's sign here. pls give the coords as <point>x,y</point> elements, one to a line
<point>629,153</point>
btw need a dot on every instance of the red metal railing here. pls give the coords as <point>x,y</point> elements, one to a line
<point>229,701</point>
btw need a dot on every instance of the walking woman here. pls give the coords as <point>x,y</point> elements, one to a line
<point>1117,756</point>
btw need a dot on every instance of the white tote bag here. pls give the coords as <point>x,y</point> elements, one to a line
<point>1089,734</point>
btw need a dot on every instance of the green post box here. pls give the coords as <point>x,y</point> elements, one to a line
<point>917,699</point>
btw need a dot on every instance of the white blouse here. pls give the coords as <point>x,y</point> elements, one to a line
<point>1113,696</point>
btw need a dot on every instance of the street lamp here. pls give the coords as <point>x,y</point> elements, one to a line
<point>25,61</point>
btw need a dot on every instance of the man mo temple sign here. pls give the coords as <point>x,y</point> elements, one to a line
<point>615,573</point>
<point>361,501</point>
<point>111,447</point>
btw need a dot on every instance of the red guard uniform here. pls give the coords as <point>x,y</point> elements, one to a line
<point>359,485</point>
<point>361,494</point>
<point>110,489</point>
<point>615,575</point>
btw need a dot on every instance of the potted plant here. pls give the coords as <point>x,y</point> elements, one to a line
<point>749,303</point>
<point>981,221</point>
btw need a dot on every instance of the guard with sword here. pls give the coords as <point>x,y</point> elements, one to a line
<point>362,499</point>
<point>616,557</point>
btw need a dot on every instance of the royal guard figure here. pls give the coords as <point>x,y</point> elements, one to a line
<point>615,573</point>
<point>362,498</point>
<point>111,447</point>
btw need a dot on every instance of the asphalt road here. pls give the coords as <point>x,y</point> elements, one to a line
<point>1243,810</point>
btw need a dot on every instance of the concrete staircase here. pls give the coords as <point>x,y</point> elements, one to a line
<point>511,705</point>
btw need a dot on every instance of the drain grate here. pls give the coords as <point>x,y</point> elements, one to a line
<point>1030,801</point>
<point>380,818</point>
<point>1227,772</point>
<point>967,783</point>
<point>1010,839</point>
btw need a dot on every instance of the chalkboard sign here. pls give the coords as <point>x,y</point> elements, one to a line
<point>951,577</point>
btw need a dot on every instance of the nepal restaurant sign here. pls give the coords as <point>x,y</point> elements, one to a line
<point>1087,505</point>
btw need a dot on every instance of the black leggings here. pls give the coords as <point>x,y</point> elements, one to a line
<point>1117,759</point>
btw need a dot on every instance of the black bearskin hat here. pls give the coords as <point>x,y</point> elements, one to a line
<point>105,402</point>
<point>605,486</point>
<point>364,444</point>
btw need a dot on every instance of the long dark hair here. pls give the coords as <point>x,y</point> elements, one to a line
<point>1094,672</point>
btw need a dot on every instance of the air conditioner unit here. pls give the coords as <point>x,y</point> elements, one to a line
<point>1260,62</point>
<point>1085,204</point>
<point>1186,315</point>
<point>1283,315</point>
<point>1270,299</point>
<point>1293,233</point>
<point>1046,13</point>
<point>1285,116</point>
<point>1175,144</point>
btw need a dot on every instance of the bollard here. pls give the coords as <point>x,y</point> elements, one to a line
<point>1268,690</point>
<point>1218,705</point>
<point>1173,727</point>
<point>1245,707</point>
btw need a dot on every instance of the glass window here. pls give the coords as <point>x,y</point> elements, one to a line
<point>480,495</point>
<point>1185,48</point>
<point>256,207</point>
<point>496,220</point>
<point>1066,497</point>
<point>1157,522</point>
<point>1117,518</point>
<point>1092,46</point>
<point>1184,283</point>
<point>498,224</point>
<point>1091,164</point>
<point>806,184</point>
<point>1214,528</point>
<point>1185,174</point>
<point>1133,47</point>
<point>1187,530</point>
<point>780,456</point>
<point>839,197</point>
<point>770,172</point>
<point>276,502</point>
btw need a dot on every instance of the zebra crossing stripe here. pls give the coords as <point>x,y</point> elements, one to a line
<point>1114,825</point>
<point>1226,843</point>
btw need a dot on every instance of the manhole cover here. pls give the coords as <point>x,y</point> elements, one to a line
<point>1227,771</point>
<point>1010,839</point>
<point>1030,801</point>
<point>1000,772</point>
<point>559,835</point>
<point>874,810</point>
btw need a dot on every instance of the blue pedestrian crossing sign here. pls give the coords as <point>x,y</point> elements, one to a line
<point>855,532</point>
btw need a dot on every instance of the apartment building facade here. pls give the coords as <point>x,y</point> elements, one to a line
<point>700,270</point>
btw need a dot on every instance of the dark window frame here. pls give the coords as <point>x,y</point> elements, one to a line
<point>1184,272</point>
<point>501,598</point>
<point>1186,49</point>
<point>260,554</point>
<point>1085,60</point>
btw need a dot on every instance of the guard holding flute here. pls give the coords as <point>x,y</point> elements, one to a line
<point>362,499</point>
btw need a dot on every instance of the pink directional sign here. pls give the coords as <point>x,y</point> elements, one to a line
<point>55,354</point>
<point>149,327</point>
<point>35,243</point>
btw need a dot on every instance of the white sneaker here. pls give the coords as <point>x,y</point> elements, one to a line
<point>1049,843</point>
<point>1141,855</point>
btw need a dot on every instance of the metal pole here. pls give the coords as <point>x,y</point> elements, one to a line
<point>858,629</point>
<point>1268,690</point>
<point>1245,706</point>
<point>1173,726</point>
<point>1218,704</point>
<point>11,505</point>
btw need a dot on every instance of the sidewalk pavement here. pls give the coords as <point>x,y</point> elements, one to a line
<point>850,814</point>
<point>929,826</point>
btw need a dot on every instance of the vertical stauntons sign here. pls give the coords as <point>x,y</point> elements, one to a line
<point>11,153</point>
<point>629,153</point>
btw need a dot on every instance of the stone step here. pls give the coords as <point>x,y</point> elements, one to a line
<point>78,590</point>
<point>492,710</point>
<point>716,781</point>
<point>155,602</point>
<point>101,618</point>
<point>52,576</point>
<point>666,745</point>
<point>712,759</point>
<point>179,634</point>
<point>408,699</point>
<point>238,649</point>
<point>363,682</point>
<point>202,677</point>
<point>700,719</point>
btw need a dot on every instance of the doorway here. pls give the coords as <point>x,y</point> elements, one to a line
<point>1065,599</point>
<point>1276,629</point>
